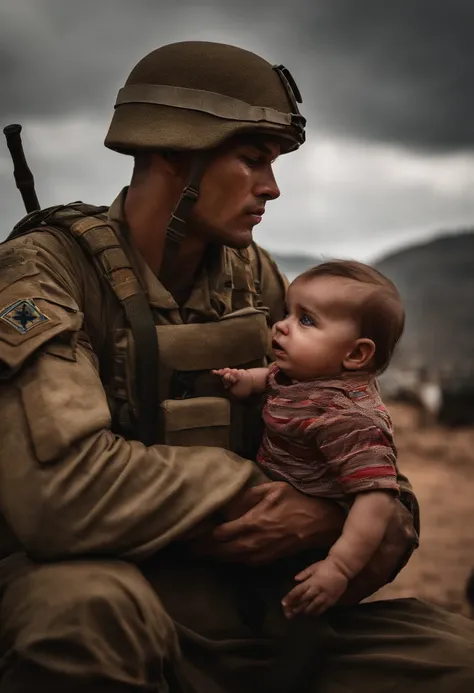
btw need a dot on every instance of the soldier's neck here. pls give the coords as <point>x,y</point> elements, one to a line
<point>147,219</point>
<point>179,280</point>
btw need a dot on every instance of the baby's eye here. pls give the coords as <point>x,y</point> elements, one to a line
<point>306,320</point>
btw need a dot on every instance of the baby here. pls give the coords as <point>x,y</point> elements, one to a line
<point>327,431</point>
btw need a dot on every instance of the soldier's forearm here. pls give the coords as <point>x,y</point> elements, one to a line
<point>121,499</point>
<point>70,487</point>
<point>409,500</point>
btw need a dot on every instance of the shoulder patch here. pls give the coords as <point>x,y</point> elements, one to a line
<point>23,315</point>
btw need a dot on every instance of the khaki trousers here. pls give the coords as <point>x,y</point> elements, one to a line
<point>100,626</point>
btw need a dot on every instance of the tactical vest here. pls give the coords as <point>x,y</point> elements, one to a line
<point>158,378</point>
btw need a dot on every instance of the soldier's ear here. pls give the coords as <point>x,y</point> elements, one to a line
<point>360,355</point>
<point>177,163</point>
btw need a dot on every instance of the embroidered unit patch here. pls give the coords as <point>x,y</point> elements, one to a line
<point>23,315</point>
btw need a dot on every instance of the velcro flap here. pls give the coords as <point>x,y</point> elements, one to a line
<point>236,340</point>
<point>199,412</point>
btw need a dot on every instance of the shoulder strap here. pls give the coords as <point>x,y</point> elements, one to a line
<point>256,265</point>
<point>99,241</point>
<point>270,283</point>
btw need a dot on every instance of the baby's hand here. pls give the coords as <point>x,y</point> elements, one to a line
<point>237,380</point>
<point>321,585</point>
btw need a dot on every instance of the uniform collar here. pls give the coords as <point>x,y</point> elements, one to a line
<point>212,292</point>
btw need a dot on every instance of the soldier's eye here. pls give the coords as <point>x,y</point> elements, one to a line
<point>251,161</point>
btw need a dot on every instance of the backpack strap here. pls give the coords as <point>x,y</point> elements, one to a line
<point>270,284</point>
<point>102,243</point>
<point>256,266</point>
<point>99,241</point>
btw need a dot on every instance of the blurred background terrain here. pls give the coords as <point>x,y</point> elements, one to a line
<point>439,463</point>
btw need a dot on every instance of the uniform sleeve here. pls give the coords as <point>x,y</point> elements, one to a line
<point>410,501</point>
<point>68,485</point>
<point>359,452</point>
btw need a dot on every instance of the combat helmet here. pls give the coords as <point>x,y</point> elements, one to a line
<point>194,95</point>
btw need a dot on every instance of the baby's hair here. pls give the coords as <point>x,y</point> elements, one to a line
<point>380,310</point>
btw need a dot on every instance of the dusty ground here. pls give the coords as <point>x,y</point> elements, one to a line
<point>440,464</point>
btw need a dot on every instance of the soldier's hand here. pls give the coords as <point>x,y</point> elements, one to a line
<point>280,522</point>
<point>387,560</point>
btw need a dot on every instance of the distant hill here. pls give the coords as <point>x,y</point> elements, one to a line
<point>436,281</point>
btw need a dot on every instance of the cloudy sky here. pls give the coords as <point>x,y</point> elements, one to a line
<point>387,85</point>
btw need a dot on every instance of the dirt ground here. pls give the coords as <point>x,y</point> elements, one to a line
<point>440,464</point>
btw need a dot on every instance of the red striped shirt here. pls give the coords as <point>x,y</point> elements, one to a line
<point>328,437</point>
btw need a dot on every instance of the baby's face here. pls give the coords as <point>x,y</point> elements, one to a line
<point>320,329</point>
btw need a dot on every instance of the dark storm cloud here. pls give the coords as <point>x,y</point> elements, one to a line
<point>395,70</point>
<point>58,58</point>
<point>399,71</point>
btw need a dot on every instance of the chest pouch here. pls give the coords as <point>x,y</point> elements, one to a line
<point>195,407</point>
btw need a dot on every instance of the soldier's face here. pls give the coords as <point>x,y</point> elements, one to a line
<point>236,185</point>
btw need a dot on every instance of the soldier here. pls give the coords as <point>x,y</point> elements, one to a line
<point>143,550</point>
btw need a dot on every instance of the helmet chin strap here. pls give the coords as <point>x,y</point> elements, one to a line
<point>176,230</point>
